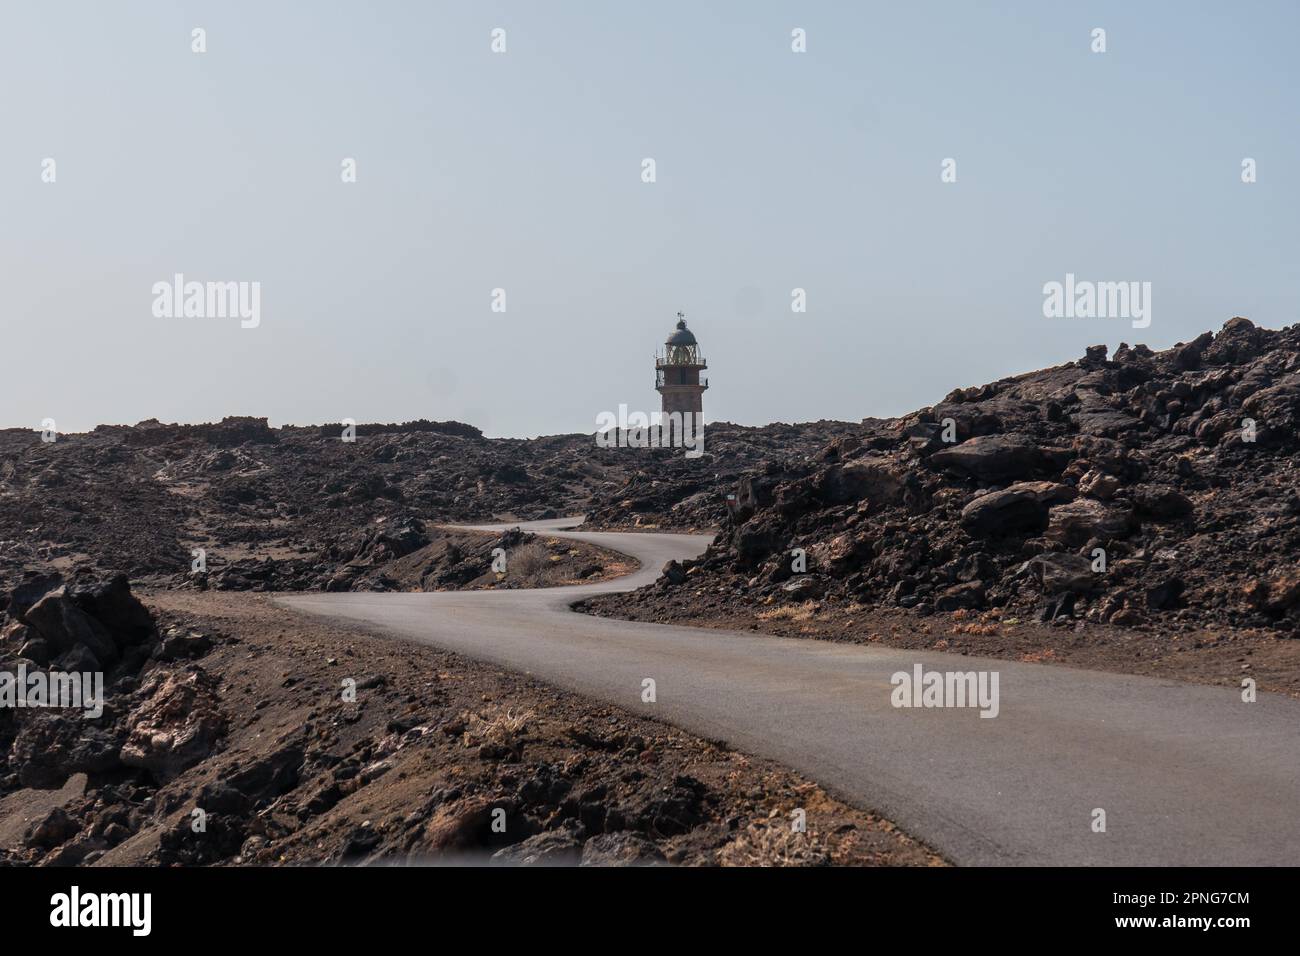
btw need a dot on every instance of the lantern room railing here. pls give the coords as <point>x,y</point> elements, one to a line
<point>659,380</point>
<point>692,356</point>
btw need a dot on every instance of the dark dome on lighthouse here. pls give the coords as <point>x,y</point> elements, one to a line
<point>683,335</point>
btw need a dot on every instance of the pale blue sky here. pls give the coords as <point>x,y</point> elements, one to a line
<point>775,170</point>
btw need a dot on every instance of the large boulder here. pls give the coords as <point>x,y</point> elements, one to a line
<point>621,848</point>
<point>553,848</point>
<point>111,602</point>
<point>1276,593</point>
<point>1239,341</point>
<point>1161,502</point>
<point>877,480</point>
<point>398,539</point>
<point>961,596</point>
<point>1275,409</point>
<point>1022,507</point>
<point>842,553</point>
<point>757,538</point>
<point>269,776</point>
<point>1074,523</point>
<point>996,457</point>
<point>804,587</point>
<point>1212,430</point>
<point>33,586</point>
<point>177,724</point>
<point>54,828</point>
<point>65,626</point>
<point>752,493</point>
<point>52,745</point>
<point>91,623</point>
<point>673,573</point>
<point>1057,572</point>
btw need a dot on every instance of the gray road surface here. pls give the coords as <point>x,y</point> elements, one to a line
<point>1186,774</point>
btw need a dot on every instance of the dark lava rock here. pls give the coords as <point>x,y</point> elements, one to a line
<point>554,848</point>
<point>994,457</point>
<point>1057,572</point>
<point>969,595</point>
<point>1022,507</point>
<point>673,573</point>
<point>51,746</point>
<point>1173,471</point>
<point>63,625</point>
<point>55,828</point>
<point>804,587</point>
<point>33,586</point>
<point>621,849</point>
<point>111,602</point>
<point>1165,595</point>
<point>1161,502</point>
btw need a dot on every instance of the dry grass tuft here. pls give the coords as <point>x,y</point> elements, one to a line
<point>532,565</point>
<point>790,612</point>
<point>774,844</point>
<point>502,729</point>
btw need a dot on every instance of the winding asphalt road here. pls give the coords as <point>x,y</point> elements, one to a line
<point>1186,774</point>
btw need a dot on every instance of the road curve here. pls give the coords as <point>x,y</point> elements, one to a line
<point>1186,774</point>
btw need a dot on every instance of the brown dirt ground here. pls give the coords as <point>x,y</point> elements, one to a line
<point>280,676</point>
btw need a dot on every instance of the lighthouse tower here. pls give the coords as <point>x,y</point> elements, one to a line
<point>677,372</point>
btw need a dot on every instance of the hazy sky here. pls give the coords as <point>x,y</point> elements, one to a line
<point>523,171</point>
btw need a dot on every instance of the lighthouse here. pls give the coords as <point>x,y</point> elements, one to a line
<point>677,373</point>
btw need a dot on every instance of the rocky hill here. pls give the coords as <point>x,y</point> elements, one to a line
<point>299,508</point>
<point>1143,487</point>
<point>1128,488</point>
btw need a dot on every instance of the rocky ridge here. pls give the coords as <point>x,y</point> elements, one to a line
<point>1136,489</point>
